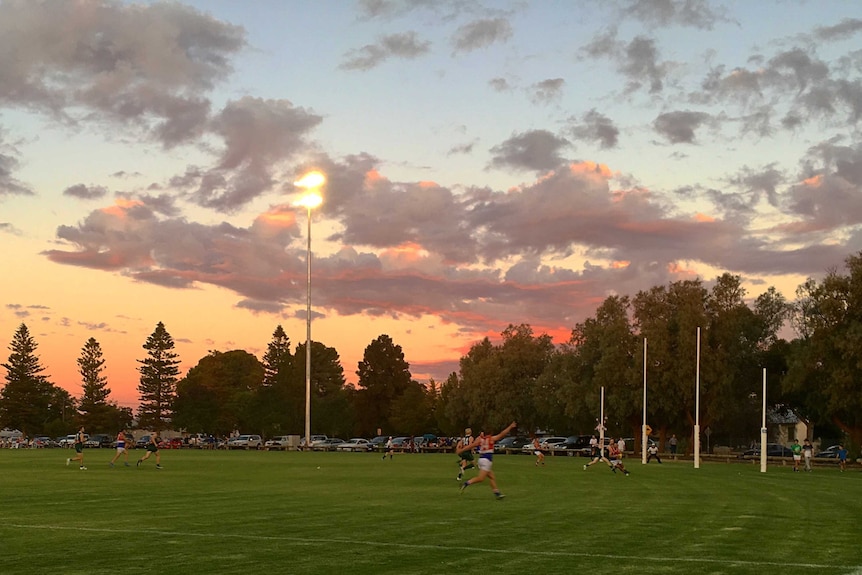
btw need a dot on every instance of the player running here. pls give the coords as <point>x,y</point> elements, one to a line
<point>615,457</point>
<point>485,443</point>
<point>465,456</point>
<point>121,449</point>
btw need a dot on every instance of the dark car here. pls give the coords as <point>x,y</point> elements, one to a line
<point>772,450</point>
<point>99,440</point>
<point>513,442</point>
<point>830,452</point>
<point>142,442</point>
<point>579,445</point>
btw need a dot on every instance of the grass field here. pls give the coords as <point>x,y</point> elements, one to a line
<point>292,513</point>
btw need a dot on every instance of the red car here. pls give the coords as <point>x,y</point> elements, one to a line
<point>175,443</point>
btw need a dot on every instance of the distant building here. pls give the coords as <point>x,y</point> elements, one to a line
<point>786,426</point>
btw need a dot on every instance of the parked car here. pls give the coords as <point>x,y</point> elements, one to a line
<point>401,442</point>
<point>355,444</point>
<point>246,441</point>
<point>830,452</point>
<point>314,438</point>
<point>142,442</point>
<point>69,441</point>
<point>772,450</point>
<point>511,442</point>
<point>579,445</point>
<point>379,442</point>
<point>545,443</point>
<point>172,443</point>
<point>99,440</point>
<point>42,442</point>
<point>278,443</point>
<point>329,444</point>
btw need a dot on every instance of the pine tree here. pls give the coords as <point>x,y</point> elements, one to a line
<point>96,413</point>
<point>27,397</point>
<point>277,360</point>
<point>158,382</point>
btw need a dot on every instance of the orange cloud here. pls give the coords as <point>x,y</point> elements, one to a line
<point>591,168</point>
<point>121,207</point>
<point>372,177</point>
<point>703,218</point>
<point>813,181</point>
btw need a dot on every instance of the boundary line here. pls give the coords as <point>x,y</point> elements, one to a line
<point>530,552</point>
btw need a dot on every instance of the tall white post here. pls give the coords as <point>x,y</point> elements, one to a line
<point>308,339</point>
<point>763,428</point>
<point>697,408</point>
<point>602,422</point>
<point>644,427</point>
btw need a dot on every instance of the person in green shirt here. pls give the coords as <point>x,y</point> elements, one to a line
<point>797,454</point>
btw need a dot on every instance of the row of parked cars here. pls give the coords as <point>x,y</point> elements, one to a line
<point>779,450</point>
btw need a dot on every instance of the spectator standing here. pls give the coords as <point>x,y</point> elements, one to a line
<point>807,453</point>
<point>672,444</point>
<point>842,458</point>
<point>797,454</point>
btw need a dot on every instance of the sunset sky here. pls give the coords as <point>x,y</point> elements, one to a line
<point>488,162</point>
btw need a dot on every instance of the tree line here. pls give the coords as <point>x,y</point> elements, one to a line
<point>524,377</point>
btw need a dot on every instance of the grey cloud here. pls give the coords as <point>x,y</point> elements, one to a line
<point>8,228</point>
<point>640,64</point>
<point>547,91</point>
<point>257,134</point>
<point>86,192</point>
<point>679,127</point>
<point>534,150</point>
<point>594,126</point>
<point>9,185</point>
<point>499,84</point>
<point>637,60</point>
<point>701,14</point>
<point>765,181</point>
<point>462,148</point>
<point>140,65</point>
<point>406,45</point>
<point>847,28</point>
<point>481,34</point>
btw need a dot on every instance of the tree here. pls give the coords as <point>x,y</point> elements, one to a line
<point>218,395</point>
<point>332,405</point>
<point>28,399</point>
<point>825,365</point>
<point>498,384</point>
<point>158,381</point>
<point>384,376</point>
<point>96,413</point>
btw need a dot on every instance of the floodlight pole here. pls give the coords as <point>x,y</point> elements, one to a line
<point>311,182</point>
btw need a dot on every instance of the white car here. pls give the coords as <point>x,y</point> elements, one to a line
<point>280,443</point>
<point>355,444</point>
<point>245,442</point>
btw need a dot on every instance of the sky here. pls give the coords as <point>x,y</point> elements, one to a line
<point>488,163</point>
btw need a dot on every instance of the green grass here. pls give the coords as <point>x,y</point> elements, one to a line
<point>267,512</point>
